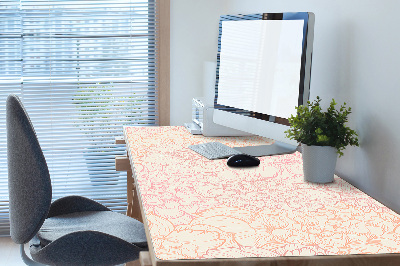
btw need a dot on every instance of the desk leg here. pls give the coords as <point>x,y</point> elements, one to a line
<point>122,164</point>
<point>129,192</point>
<point>144,260</point>
<point>133,199</point>
<point>133,263</point>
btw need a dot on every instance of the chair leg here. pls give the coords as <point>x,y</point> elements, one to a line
<point>26,259</point>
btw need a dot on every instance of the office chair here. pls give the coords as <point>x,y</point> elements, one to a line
<point>70,231</point>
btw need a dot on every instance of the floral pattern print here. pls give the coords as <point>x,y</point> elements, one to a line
<point>198,208</point>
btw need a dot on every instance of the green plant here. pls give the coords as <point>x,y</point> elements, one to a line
<point>312,126</point>
<point>101,105</point>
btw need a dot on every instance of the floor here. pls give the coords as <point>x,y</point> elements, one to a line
<point>9,253</point>
<point>10,256</point>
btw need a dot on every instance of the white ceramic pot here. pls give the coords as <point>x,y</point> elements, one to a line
<point>319,163</point>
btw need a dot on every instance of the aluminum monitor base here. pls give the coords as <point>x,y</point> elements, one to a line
<point>277,148</point>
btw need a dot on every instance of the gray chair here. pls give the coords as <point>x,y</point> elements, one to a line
<point>70,231</point>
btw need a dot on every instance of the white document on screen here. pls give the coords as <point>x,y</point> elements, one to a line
<point>260,63</point>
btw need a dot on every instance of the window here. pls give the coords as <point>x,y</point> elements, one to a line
<point>83,69</point>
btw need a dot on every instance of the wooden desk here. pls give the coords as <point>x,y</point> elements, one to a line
<point>201,212</point>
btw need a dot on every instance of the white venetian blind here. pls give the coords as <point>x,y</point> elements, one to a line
<point>83,69</point>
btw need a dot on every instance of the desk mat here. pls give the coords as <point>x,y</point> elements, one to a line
<point>198,208</point>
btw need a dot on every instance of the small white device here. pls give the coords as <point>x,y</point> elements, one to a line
<point>202,122</point>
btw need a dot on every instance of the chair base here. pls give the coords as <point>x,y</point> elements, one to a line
<point>26,259</point>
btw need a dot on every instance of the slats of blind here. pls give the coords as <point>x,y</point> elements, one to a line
<point>10,80</point>
<point>83,69</point>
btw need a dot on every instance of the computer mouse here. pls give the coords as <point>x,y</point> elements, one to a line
<point>242,160</point>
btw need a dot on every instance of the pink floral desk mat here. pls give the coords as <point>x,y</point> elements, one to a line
<point>198,208</point>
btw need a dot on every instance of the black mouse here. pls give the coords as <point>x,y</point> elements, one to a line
<point>242,160</point>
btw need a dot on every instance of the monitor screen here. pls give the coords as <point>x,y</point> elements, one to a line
<point>260,63</point>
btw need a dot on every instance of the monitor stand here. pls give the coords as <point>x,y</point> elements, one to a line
<point>277,148</point>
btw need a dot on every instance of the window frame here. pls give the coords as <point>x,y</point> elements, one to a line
<point>163,36</point>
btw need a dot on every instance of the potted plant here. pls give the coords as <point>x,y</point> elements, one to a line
<point>97,108</point>
<point>323,135</point>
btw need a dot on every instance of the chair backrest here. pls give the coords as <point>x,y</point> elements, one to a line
<point>29,183</point>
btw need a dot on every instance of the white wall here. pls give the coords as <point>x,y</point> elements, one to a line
<point>356,60</point>
<point>194,40</point>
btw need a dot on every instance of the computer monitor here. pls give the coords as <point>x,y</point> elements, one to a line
<point>263,73</point>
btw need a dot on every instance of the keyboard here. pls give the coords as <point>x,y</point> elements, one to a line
<point>214,150</point>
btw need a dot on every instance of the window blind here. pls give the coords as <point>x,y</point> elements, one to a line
<point>83,69</point>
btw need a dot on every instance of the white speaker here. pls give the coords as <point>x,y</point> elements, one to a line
<point>202,118</point>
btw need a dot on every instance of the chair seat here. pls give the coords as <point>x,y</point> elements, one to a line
<point>107,222</point>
